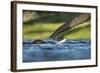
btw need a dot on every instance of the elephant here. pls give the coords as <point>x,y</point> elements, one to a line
<point>58,33</point>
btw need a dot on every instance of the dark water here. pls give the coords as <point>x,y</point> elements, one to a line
<point>69,50</point>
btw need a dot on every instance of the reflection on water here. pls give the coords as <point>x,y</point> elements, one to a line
<point>69,50</point>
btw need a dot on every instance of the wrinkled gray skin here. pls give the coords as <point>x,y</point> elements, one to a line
<point>38,41</point>
<point>58,34</point>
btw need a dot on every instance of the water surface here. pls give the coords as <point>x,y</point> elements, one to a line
<point>50,51</point>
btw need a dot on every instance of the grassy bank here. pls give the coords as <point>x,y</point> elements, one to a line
<point>82,31</point>
<point>41,31</point>
<point>44,24</point>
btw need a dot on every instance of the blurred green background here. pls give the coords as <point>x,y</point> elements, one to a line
<point>41,24</point>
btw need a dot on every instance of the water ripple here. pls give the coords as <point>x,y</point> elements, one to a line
<point>69,50</point>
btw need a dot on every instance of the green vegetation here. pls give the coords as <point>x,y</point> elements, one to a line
<point>44,24</point>
<point>39,31</point>
<point>82,31</point>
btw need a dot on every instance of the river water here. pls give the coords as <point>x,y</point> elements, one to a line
<point>51,51</point>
